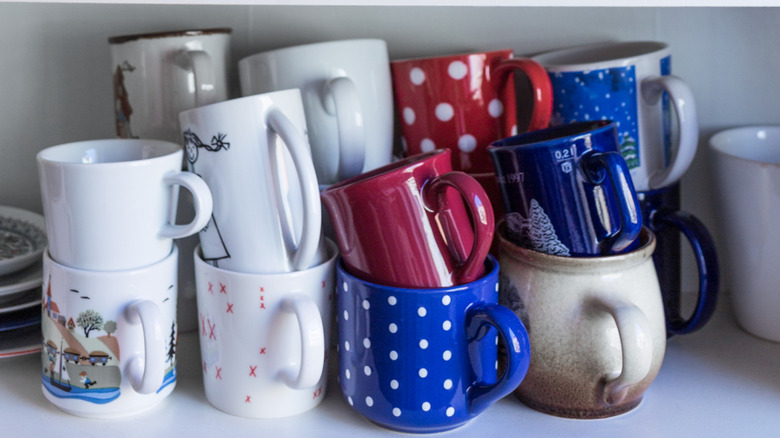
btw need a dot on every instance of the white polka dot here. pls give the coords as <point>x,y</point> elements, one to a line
<point>346,345</point>
<point>417,76</point>
<point>366,304</point>
<point>392,327</point>
<point>426,406</point>
<point>346,287</point>
<point>467,143</point>
<point>513,131</point>
<point>450,411</point>
<point>446,325</point>
<point>347,374</point>
<point>351,403</point>
<point>369,401</point>
<point>457,70</point>
<point>447,355</point>
<point>446,300</point>
<point>396,412</point>
<point>346,316</point>
<point>495,108</point>
<point>391,300</point>
<point>423,344</point>
<point>423,373</point>
<point>427,145</point>
<point>409,115</point>
<point>367,343</point>
<point>367,370</point>
<point>422,311</point>
<point>444,112</point>
<point>393,355</point>
<point>448,384</point>
<point>394,384</point>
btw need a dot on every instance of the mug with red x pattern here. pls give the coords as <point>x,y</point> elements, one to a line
<point>263,337</point>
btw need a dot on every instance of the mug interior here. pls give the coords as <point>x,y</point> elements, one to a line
<point>754,143</point>
<point>386,169</point>
<point>108,151</point>
<point>557,133</point>
<point>599,53</point>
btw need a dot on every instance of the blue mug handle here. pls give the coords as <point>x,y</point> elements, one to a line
<point>479,321</point>
<point>599,165</point>
<point>707,261</point>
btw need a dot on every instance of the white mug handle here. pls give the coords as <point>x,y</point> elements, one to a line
<point>636,344</point>
<point>340,97</point>
<point>681,97</point>
<point>203,70</point>
<point>296,143</point>
<point>312,335</point>
<point>201,202</point>
<point>146,373</point>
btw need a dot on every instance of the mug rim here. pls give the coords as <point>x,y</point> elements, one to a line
<point>163,150</point>
<point>544,138</point>
<point>309,46</point>
<point>288,93</point>
<point>724,143</point>
<point>592,55</point>
<point>121,39</point>
<point>172,257</point>
<point>453,57</point>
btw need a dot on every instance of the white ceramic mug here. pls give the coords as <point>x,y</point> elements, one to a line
<point>158,75</point>
<point>348,97</point>
<point>109,338</point>
<point>263,337</point>
<point>631,84</point>
<point>254,155</point>
<point>747,176</point>
<point>109,204</point>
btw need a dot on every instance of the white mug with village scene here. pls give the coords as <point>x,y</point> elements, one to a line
<point>109,338</point>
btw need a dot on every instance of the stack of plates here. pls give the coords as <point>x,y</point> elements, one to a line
<point>22,242</point>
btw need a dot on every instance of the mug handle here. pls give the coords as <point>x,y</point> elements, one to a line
<point>597,165</point>
<point>340,98</point>
<point>146,373</point>
<point>681,96</point>
<point>309,372</point>
<point>540,86</point>
<point>202,69</point>
<point>202,202</point>
<point>707,262</point>
<point>479,319</point>
<point>481,211</point>
<point>636,346</point>
<point>296,143</point>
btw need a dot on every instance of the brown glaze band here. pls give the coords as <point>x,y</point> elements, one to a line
<point>155,35</point>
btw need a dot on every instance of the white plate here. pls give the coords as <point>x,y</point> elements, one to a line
<point>22,238</point>
<point>25,279</point>
<point>23,300</point>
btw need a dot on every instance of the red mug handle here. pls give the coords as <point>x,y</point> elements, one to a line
<point>540,85</point>
<point>481,219</point>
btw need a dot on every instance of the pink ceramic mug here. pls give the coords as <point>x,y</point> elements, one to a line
<point>406,225</point>
<point>465,102</point>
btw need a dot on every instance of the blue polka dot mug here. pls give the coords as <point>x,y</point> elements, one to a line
<point>425,360</point>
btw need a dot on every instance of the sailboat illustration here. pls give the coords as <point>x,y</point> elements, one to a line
<point>62,384</point>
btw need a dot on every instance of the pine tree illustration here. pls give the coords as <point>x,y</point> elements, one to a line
<point>541,233</point>
<point>172,344</point>
<point>629,151</point>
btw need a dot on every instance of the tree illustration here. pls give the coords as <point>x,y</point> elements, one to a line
<point>89,320</point>
<point>629,151</point>
<point>541,233</point>
<point>172,343</point>
<point>109,327</point>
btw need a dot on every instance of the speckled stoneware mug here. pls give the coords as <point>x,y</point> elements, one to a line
<point>596,325</point>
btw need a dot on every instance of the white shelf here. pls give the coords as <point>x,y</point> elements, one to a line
<point>718,382</point>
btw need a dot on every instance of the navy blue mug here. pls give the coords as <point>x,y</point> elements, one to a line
<point>661,213</point>
<point>567,190</point>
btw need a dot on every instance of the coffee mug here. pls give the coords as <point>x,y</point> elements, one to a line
<point>109,338</point>
<point>109,204</point>
<point>254,155</point>
<point>661,213</point>
<point>746,173</point>
<point>425,360</point>
<point>631,84</point>
<point>158,75</point>
<point>264,337</point>
<point>567,191</point>
<point>406,225</point>
<point>596,325</point>
<point>347,95</point>
<point>465,102</point>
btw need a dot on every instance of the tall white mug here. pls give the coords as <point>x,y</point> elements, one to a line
<point>254,155</point>
<point>347,94</point>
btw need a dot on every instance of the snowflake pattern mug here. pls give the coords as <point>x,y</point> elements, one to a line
<point>567,191</point>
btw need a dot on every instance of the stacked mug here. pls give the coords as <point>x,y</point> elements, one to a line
<point>418,316</point>
<point>109,323</point>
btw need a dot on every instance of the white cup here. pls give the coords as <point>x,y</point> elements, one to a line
<point>109,338</point>
<point>253,154</point>
<point>109,204</point>
<point>747,176</point>
<point>263,337</point>
<point>348,97</point>
<point>158,75</point>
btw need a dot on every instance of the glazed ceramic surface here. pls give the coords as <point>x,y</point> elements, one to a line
<point>348,98</point>
<point>747,174</point>
<point>109,338</point>
<point>424,360</point>
<point>596,325</point>
<point>158,75</point>
<point>22,239</point>
<point>108,203</point>
<point>465,102</point>
<point>254,155</point>
<point>406,224</point>
<point>661,213</point>
<point>567,191</point>
<point>631,84</point>
<point>263,337</point>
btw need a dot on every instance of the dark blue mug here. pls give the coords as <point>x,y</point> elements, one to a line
<point>425,360</point>
<point>567,190</point>
<point>661,213</point>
